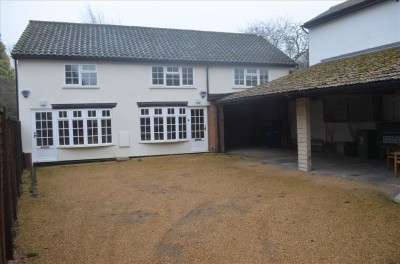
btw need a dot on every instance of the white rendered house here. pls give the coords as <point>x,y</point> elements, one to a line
<point>354,27</point>
<point>89,91</point>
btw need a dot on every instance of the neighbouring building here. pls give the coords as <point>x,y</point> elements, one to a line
<point>88,91</point>
<point>354,27</point>
<point>353,85</point>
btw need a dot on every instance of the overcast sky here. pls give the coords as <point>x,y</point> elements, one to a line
<point>225,16</point>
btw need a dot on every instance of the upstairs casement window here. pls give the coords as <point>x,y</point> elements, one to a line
<point>172,76</point>
<point>250,77</point>
<point>163,124</point>
<point>84,75</point>
<point>84,127</point>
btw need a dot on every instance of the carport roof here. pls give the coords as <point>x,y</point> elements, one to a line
<point>375,68</point>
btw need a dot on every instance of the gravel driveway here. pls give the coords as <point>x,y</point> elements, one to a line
<point>203,208</point>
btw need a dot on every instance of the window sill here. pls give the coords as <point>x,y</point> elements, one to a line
<point>172,87</point>
<point>163,141</point>
<point>85,146</point>
<point>81,87</point>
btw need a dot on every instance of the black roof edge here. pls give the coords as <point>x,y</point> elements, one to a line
<point>84,106</point>
<point>193,62</point>
<point>378,87</point>
<point>339,13</point>
<point>161,104</point>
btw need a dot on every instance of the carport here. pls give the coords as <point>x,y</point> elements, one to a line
<point>257,123</point>
<point>327,106</point>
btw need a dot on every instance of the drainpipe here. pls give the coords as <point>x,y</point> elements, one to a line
<point>16,86</point>
<point>207,82</point>
<point>218,130</point>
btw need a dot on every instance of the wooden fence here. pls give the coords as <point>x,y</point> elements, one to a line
<point>11,167</point>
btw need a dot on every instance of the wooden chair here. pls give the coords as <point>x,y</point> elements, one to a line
<point>390,154</point>
<point>396,162</point>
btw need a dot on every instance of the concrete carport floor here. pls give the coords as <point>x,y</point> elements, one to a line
<point>372,171</point>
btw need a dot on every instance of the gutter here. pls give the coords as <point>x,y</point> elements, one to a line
<point>146,60</point>
<point>305,31</point>
<point>16,86</point>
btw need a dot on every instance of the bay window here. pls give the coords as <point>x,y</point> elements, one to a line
<point>163,124</point>
<point>82,127</point>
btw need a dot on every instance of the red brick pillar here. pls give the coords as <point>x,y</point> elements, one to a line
<point>213,128</point>
<point>221,131</point>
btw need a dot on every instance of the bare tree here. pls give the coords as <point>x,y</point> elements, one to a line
<point>285,34</point>
<point>93,16</point>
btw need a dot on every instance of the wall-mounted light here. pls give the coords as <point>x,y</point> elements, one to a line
<point>25,93</point>
<point>203,94</point>
<point>43,102</point>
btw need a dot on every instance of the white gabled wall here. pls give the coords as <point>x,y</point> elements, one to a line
<point>367,28</point>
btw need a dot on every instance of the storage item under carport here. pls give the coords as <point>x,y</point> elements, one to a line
<point>388,135</point>
<point>367,139</point>
<point>350,149</point>
<point>273,136</point>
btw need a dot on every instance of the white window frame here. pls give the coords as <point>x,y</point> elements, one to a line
<point>176,112</point>
<point>81,72</point>
<point>248,72</point>
<point>84,117</point>
<point>167,70</point>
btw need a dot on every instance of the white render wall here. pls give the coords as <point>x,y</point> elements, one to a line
<point>367,28</point>
<point>121,83</point>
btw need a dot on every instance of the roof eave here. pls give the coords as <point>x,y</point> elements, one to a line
<point>144,60</point>
<point>314,22</point>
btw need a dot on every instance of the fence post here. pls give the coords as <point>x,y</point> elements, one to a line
<point>33,181</point>
<point>10,180</point>
<point>2,187</point>
<point>8,190</point>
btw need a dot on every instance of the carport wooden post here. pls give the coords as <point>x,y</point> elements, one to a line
<point>303,134</point>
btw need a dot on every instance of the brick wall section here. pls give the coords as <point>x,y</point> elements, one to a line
<point>303,134</point>
<point>212,128</point>
<point>221,127</point>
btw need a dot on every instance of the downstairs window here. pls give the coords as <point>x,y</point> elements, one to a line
<point>84,127</point>
<point>163,124</point>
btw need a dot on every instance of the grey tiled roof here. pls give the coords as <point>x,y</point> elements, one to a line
<point>339,10</point>
<point>111,42</point>
<point>371,68</point>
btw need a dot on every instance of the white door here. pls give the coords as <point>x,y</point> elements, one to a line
<point>43,137</point>
<point>199,138</point>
